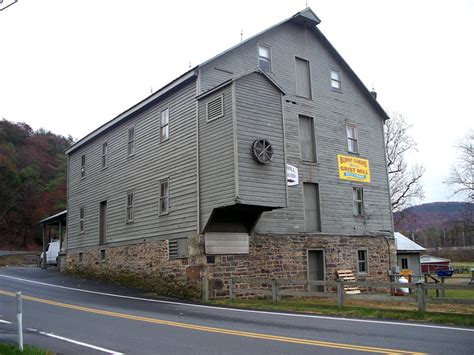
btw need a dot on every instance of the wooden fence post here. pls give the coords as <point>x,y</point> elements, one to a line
<point>274,291</point>
<point>231,289</point>
<point>420,297</point>
<point>340,293</point>
<point>442,287</point>
<point>205,289</point>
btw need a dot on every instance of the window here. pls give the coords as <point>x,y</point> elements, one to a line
<point>352,145</point>
<point>307,141</point>
<point>83,166</point>
<point>178,248</point>
<point>264,57</point>
<point>358,200</point>
<point>362,262</point>
<point>215,108</point>
<point>164,197</point>
<point>303,78</point>
<point>404,263</point>
<point>131,141</point>
<point>164,125</point>
<point>81,220</point>
<point>105,152</point>
<point>312,213</point>
<point>336,84</point>
<point>130,206</point>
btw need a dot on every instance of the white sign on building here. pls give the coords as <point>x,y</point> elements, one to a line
<point>292,175</point>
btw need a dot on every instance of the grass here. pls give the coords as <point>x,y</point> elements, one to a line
<point>11,349</point>
<point>354,309</point>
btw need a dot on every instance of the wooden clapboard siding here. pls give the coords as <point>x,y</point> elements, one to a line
<point>259,115</point>
<point>153,160</point>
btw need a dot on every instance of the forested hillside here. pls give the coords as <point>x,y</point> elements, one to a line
<point>32,181</point>
<point>438,224</point>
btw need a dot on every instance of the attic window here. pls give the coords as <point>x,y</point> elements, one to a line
<point>336,83</point>
<point>215,108</point>
<point>264,57</point>
<point>178,248</point>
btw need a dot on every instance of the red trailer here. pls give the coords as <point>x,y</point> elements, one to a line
<point>434,265</point>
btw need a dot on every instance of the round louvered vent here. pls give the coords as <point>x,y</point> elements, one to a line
<point>262,151</point>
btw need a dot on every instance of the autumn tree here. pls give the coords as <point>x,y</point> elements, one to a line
<point>404,179</point>
<point>32,179</point>
<point>461,178</point>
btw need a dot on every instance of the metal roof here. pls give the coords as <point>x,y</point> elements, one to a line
<point>54,218</point>
<point>428,259</point>
<point>406,244</point>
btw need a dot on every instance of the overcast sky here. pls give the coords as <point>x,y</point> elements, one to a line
<point>70,66</point>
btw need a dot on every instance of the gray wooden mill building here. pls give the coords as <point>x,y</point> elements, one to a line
<point>266,160</point>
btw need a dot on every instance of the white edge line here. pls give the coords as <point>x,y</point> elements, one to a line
<point>68,339</point>
<point>245,310</point>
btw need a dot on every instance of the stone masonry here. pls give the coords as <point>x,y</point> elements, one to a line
<point>270,256</point>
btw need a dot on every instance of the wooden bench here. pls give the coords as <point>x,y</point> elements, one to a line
<point>348,275</point>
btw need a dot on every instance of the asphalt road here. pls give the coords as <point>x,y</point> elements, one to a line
<point>93,318</point>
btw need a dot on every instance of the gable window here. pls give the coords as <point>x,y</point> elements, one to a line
<point>264,57</point>
<point>358,201</point>
<point>81,220</point>
<point>164,125</point>
<point>83,166</point>
<point>131,141</point>
<point>362,261</point>
<point>303,78</point>
<point>352,143</point>
<point>307,141</point>
<point>336,83</point>
<point>130,206</point>
<point>404,263</point>
<point>105,152</point>
<point>164,196</point>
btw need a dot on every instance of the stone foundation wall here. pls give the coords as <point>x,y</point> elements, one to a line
<point>270,256</point>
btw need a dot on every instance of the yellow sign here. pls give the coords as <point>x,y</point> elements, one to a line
<point>353,168</point>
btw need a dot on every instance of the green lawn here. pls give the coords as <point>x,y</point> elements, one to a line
<point>311,306</point>
<point>11,349</point>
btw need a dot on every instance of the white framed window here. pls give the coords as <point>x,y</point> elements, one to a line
<point>336,83</point>
<point>130,206</point>
<point>81,220</point>
<point>105,153</point>
<point>131,141</point>
<point>404,263</point>
<point>83,166</point>
<point>164,125</point>
<point>352,142</point>
<point>362,261</point>
<point>164,196</point>
<point>264,57</point>
<point>358,201</point>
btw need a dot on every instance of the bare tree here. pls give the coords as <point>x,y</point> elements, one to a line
<point>461,178</point>
<point>405,180</point>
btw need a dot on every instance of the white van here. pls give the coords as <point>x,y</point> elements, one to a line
<point>52,252</point>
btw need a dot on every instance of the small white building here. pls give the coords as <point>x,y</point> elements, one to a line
<point>408,254</point>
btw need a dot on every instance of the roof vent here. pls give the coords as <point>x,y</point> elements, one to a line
<point>215,108</point>
<point>374,94</point>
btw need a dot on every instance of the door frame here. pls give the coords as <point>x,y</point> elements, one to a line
<point>324,264</point>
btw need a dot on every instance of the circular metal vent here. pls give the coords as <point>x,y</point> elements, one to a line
<point>262,151</point>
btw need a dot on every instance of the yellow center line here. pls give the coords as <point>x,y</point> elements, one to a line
<point>215,330</point>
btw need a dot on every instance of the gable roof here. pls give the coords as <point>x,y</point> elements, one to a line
<point>406,244</point>
<point>306,16</point>
<point>231,80</point>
